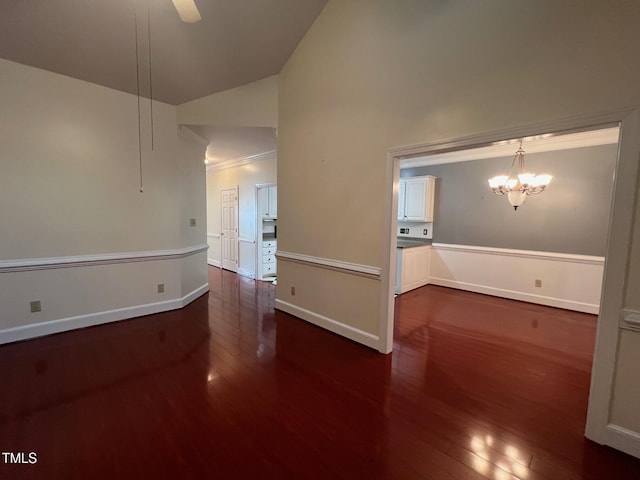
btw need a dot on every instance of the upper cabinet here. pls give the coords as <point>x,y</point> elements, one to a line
<point>268,201</point>
<point>415,199</point>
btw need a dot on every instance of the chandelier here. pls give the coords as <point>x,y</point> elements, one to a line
<point>519,183</point>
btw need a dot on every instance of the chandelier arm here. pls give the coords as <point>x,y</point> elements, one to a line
<point>536,190</point>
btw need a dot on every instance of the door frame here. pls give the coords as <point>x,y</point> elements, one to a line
<point>599,428</point>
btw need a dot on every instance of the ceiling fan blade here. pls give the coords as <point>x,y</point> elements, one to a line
<point>187,10</point>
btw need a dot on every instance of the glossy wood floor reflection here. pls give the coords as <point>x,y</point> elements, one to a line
<point>477,387</point>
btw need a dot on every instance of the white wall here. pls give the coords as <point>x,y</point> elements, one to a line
<point>69,190</point>
<point>246,177</point>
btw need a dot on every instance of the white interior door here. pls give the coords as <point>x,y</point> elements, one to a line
<point>229,235</point>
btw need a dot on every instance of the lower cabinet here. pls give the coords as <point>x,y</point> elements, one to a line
<point>269,263</point>
<point>412,268</point>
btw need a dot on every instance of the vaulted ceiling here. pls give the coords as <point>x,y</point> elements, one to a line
<point>236,42</point>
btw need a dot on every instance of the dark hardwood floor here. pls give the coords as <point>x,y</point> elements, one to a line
<point>477,387</point>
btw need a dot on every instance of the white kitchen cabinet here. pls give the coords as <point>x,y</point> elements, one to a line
<point>412,268</point>
<point>267,208</point>
<point>269,264</point>
<point>268,201</point>
<point>415,199</point>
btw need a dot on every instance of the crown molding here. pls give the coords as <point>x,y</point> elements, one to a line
<point>238,162</point>
<point>507,148</point>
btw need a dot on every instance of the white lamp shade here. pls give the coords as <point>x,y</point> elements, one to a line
<point>511,183</point>
<point>498,181</point>
<point>542,180</point>
<point>526,178</point>
<point>516,198</point>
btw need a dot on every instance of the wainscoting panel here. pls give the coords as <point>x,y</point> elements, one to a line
<point>566,281</point>
<point>81,291</point>
<point>330,294</point>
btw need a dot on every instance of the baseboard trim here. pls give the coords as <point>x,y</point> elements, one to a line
<point>516,295</point>
<point>214,263</point>
<point>27,265</point>
<point>337,265</point>
<point>246,273</point>
<point>357,335</point>
<point>35,330</point>
<point>623,439</point>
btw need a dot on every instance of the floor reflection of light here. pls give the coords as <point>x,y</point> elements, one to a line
<point>212,376</point>
<point>480,465</point>
<point>509,468</point>
<point>477,445</point>
<point>519,470</point>
<point>511,452</point>
<point>500,474</point>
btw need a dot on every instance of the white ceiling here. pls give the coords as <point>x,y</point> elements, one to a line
<point>237,42</point>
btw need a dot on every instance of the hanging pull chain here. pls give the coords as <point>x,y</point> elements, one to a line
<point>135,25</point>
<point>150,76</point>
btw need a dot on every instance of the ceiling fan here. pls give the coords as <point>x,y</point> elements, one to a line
<point>187,10</point>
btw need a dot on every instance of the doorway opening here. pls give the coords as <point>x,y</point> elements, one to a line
<point>548,251</point>
<point>618,234</point>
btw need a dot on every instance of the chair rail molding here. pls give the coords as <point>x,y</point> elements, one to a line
<point>337,265</point>
<point>49,263</point>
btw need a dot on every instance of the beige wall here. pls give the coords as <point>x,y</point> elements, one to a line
<point>374,74</point>
<point>251,105</point>
<point>70,187</point>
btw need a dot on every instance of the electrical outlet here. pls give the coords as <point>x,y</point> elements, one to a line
<point>192,222</point>
<point>538,283</point>
<point>35,306</point>
<point>161,288</point>
<point>293,291</point>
